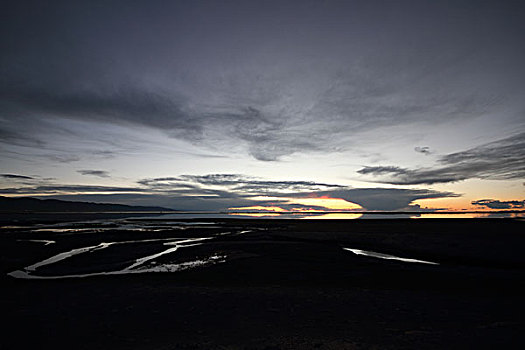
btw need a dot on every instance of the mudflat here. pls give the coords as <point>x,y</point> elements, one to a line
<point>264,284</point>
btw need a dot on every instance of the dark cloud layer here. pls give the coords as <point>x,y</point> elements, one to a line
<point>236,186</point>
<point>51,189</point>
<point>382,199</point>
<point>263,75</point>
<point>387,198</point>
<point>496,204</point>
<point>242,184</point>
<point>19,181</point>
<point>123,106</point>
<point>500,160</point>
<point>223,191</point>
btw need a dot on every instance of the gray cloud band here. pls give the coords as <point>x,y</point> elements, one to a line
<point>496,204</point>
<point>500,160</point>
<point>223,191</point>
<point>98,173</point>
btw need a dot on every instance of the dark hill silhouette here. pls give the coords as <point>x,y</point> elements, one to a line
<point>28,204</point>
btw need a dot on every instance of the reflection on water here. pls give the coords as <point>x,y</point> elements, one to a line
<point>376,215</point>
<point>177,245</point>
<point>141,265</point>
<point>387,256</point>
<point>477,215</point>
<point>66,255</point>
<point>256,215</point>
<point>156,257</point>
<point>214,259</point>
<point>335,216</point>
<point>45,241</point>
<point>452,216</point>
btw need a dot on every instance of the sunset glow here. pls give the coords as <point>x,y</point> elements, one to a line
<point>327,202</point>
<point>315,204</point>
<point>335,216</point>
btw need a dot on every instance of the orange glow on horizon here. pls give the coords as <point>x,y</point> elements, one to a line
<point>450,216</point>
<point>326,203</point>
<point>335,216</point>
<point>458,204</point>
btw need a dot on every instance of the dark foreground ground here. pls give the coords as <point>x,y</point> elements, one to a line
<point>284,285</point>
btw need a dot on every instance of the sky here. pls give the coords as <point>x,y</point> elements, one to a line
<point>297,105</point>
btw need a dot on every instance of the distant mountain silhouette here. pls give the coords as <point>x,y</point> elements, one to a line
<point>27,204</point>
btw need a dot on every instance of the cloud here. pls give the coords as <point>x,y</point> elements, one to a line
<point>9,135</point>
<point>496,204</point>
<point>499,160</point>
<point>381,170</point>
<point>269,80</point>
<point>50,189</point>
<point>383,199</point>
<point>223,191</point>
<point>403,176</point>
<point>424,149</point>
<point>99,173</point>
<point>63,158</point>
<point>214,187</point>
<point>234,183</point>
<point>387,198</point>
<point>18,177</point>
<point>23,180</point>
<point>125,105</point>
<point>210,179</point>
<point>267,130</point>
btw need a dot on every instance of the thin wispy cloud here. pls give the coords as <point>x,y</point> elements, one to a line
<point>63,158</point>
<point>423,149</point>
<point>15,181</point>
<point>58,189</point>
<point>98,173</point>
<point>16,177</point>
<point>500,160</point>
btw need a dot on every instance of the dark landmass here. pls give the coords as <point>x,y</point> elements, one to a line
<point>287,284</point>
<point>29,205</point>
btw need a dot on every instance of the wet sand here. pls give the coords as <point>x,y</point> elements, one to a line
<point>284,284</point>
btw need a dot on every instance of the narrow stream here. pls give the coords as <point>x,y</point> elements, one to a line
<point>387,256</point>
